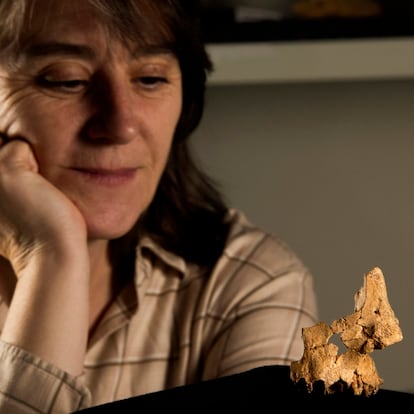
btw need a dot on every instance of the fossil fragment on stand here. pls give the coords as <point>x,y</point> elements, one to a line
<point>373,325</point>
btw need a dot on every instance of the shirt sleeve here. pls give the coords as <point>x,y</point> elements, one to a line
<point>30,385</point>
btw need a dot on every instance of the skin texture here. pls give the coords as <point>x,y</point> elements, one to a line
<point>87,125</point>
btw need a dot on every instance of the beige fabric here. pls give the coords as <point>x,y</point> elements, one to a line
<point>175,325</point>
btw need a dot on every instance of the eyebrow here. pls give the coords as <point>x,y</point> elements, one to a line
<point>39,50</point>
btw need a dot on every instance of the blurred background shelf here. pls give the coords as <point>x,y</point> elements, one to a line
<point>312,60</point>
<point>250,44</point>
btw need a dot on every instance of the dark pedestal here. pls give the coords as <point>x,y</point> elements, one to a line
<point>261,390</point>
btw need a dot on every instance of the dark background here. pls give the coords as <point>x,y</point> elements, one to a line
<point>395,20</point>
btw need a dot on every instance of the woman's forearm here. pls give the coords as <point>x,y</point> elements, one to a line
<point>49,312</point>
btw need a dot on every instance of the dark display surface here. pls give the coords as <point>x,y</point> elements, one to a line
<point>265,389</point>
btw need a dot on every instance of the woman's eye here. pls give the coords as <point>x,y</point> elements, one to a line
<point>64,85</point>
<point>151,81</point>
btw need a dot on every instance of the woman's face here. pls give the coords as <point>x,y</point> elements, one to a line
<point>99,116</point>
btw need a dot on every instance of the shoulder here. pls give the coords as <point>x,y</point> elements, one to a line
<point>253,247</point>
<point>257,270</point>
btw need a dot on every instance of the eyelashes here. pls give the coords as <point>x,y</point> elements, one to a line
<point>79,85</point>
<point>66,85</point>
<point>152,81</point>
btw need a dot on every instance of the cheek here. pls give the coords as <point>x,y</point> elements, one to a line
<point>10,116</point>
<point>43,133</point>
<point>29,117</point>
<point>165,128</point>
<point>41,122</point>
<point>16,105</point>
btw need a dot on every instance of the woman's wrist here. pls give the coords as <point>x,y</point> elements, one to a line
<point>58,280</point>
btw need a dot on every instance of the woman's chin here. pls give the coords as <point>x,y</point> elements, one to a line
<point>108,231</point>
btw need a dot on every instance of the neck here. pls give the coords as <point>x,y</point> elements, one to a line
<point>112,264</point>
<point>100,264</point>
<point>101,284</point>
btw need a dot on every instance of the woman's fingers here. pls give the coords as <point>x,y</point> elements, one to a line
<point>16,154</point>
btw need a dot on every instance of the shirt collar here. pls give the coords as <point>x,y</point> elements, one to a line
<point>169,258</point>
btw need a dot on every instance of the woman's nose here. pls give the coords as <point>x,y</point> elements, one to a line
<point>114,115</point>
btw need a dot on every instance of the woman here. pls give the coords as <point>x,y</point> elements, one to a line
<point>122,269</point>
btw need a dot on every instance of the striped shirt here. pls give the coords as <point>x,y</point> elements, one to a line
<point>175,325</point>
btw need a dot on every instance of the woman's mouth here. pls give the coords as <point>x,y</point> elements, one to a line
<point>109,177</point>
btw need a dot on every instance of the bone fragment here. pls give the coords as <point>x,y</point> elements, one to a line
<point>373,325</point>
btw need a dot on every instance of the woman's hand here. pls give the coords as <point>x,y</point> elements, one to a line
<point>44,262</point>
<point>33,213</point>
